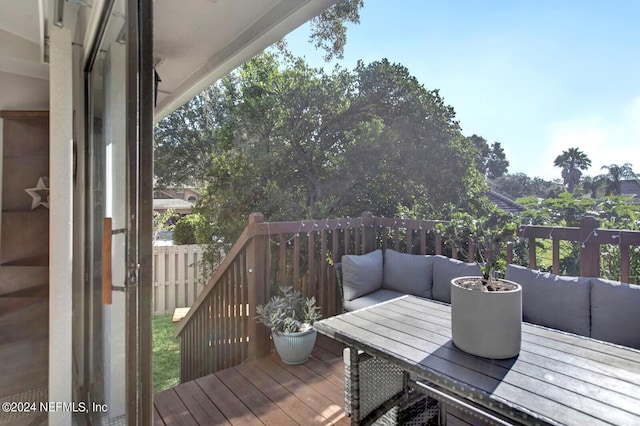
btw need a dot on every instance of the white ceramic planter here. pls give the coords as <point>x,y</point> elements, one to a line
<point>487,324</point>
<point>294,348</point>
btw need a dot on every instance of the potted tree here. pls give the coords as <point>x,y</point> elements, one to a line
<point>290,318</point>
<point>486,312</point>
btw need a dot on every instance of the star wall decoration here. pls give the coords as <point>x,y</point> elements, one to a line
<point>39,193</point>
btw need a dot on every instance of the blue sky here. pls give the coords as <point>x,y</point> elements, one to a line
<point>537,76</point>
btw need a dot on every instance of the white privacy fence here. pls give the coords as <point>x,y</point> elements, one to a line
<point>176,277</point>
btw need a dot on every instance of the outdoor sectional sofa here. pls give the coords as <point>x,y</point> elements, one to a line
<point>593,307</point>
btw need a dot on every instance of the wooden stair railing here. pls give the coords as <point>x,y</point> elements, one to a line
<point>219,331</point>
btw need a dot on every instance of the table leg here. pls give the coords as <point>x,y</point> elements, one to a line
<point>355,386</point>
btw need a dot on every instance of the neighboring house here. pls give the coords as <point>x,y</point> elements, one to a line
<point>504,202</point>
<point>181,200</point>
<point>181,207</point>
<point>77,94</point>
<point>630,187</point>
<point>187,194</point>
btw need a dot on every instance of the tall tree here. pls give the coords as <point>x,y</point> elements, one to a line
<point>615,175</point>
<point>572,162</point>
<point>307,144</point>
<point>328,30</point>
<point>491,160</point>
<point>185,140</point>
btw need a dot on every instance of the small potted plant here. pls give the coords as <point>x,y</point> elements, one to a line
<point>486,312</point>
<point>290,318</point>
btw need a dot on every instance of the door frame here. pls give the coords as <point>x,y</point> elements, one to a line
<point>138,283</point>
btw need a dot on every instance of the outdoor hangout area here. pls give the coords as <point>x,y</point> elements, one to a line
<point>399,341</point>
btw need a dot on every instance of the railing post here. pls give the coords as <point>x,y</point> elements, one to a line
<point>257,289</point>
<point>471,252</point>
<point>368,233</point>
<point>589,248</point>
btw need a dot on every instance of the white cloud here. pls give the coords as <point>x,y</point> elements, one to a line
<point>615,140</point>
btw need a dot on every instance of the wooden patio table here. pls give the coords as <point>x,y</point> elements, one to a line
<point>558,378</point>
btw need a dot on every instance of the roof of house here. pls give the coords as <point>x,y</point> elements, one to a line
<point>171,203</point>
<point>630,187</point>
<point>504,202</point>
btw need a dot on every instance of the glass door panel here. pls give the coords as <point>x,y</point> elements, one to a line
<point>116,325</point>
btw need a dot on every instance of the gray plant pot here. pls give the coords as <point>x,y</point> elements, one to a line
<point>294,348</point>
<point>486,324</point>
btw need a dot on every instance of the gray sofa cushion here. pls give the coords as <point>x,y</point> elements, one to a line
<point>371,299</point>
<point>615,312</point>
<point>408,273</point>
<point>361,274</point>
<point>444,270</point>
<point>553,301</point>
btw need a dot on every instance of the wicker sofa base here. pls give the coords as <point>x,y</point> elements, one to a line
<point>379,381</point>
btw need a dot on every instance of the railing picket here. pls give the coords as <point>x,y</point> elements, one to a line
<point>624,263</point>
<point>396,239</point>
<point>296,262</point>
<point>347,243</point>
<point>333,298</point>
<point>322,289</point>
<point>423,241</point>
<point>233,314</point>
<point>282,259</point>
<point>409,239</point>
<point>472,250</point>
<point>244,313</point>
<point>555,256</point>
<point>311,265</point>
<point>532,253</point>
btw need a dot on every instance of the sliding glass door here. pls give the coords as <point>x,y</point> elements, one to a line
<point>116,328</point>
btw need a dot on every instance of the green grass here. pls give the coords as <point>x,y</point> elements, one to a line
<point>166,354</point>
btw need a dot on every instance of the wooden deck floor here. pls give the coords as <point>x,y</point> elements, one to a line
<point>269,392</point>
<point>262,392</point>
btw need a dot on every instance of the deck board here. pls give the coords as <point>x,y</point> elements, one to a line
<point>266,391</point>
<point>262,392</point>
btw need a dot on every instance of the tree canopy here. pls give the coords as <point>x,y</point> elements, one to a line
<point>328,30</point>
<point>491,160</point>
<point>572,162</point>
<point>291,141</point>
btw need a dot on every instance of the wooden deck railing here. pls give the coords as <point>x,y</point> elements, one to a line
<point>220,330</point>
<point>590,239</point>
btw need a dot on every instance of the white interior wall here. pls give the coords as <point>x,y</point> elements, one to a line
<point>23,93</point>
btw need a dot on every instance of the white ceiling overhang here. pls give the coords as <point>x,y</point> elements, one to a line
<point>196,42</point>
<point>200,41</point>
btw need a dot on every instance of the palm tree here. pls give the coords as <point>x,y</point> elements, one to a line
<point>615,175</point>
<point>572,161</point>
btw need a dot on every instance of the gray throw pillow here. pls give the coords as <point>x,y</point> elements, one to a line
<point>554,301</point>
<point>408,273</point>
<point>361,274</point>
<point>444,270</point>
<point>615,312</point>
